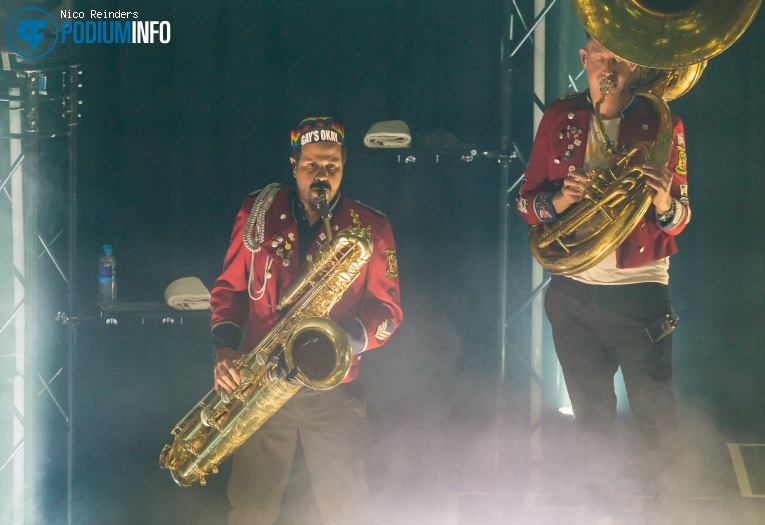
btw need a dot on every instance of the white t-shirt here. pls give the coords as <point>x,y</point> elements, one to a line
<point>606,272</point>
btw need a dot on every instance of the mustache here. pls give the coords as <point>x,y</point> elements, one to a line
<point>320,186</point>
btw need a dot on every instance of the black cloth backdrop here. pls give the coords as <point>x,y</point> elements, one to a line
<point>174,136</point>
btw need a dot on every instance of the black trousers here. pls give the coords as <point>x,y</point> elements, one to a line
<point>597,330</point>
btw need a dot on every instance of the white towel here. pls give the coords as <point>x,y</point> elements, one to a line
<point>388,134</point>
<point>188,293</point>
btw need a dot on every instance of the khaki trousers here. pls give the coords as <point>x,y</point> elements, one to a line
<point>330,426</point>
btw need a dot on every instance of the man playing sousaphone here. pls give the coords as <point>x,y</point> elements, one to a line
<point>616,313</point>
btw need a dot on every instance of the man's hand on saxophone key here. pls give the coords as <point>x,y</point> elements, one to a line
<point>225,373</point>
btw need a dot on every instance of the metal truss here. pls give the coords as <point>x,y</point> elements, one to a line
<point>39,105</point>
<point>530,357</point>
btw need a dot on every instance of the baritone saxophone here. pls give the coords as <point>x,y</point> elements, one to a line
<point>305,348</point>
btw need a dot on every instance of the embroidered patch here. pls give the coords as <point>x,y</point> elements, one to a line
<point>384,330</point>
<point>680,139</point>
<point>542,207</point>
<point>681,161</point>
<point>392,271</point>
<point>684,192</point>
<point>355,218</point>
<point>523,205</point>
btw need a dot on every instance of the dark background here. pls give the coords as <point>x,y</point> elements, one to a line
<point>173,137</point>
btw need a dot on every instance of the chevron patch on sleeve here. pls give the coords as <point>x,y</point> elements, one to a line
<point>384,330</point>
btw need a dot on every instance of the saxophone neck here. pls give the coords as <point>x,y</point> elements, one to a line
<point>328,228</point>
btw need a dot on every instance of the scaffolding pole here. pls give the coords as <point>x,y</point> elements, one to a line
<point>42,104</point>
<point>535,34</point>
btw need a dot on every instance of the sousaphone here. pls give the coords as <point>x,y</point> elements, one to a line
<point>671,42</point>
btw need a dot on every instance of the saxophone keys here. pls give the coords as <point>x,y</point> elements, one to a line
<point>246,374</point>
<point>261,357</point>
<point>190,449</point>
<point>292,374</point>
<point>209,417</point>
<point>205,416</point>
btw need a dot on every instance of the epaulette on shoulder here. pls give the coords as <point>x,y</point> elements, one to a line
<point>270,186</point>
<point>376,212</point>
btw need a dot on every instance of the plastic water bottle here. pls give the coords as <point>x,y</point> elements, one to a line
<point>107,278</point>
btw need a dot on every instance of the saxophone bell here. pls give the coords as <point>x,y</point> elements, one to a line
<point>319,350</point>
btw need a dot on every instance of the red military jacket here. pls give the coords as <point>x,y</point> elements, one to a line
<point>373,298</point>
<point>560,146</point>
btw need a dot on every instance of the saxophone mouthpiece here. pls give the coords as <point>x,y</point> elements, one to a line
<point>322,188</point>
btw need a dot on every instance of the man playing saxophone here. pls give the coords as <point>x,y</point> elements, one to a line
<point>277,234</point>
<point>617,313</point>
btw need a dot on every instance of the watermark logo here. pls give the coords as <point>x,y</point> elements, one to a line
<point>32,33</point>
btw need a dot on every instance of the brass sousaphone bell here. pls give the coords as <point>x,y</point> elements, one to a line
<point>671,41</point>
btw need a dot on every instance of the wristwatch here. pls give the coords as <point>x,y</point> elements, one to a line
<point>667,215</point>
